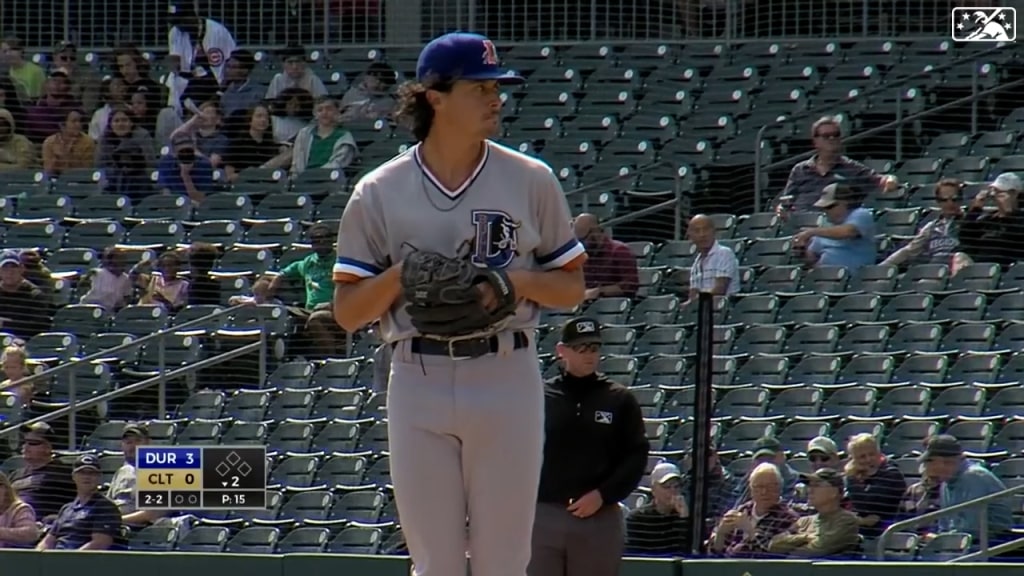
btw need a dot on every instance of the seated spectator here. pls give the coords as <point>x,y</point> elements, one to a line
<point>938,239</point>
<point>18,528</point>
<point>85,84</point>
<point>28,76</point>
<point>44,482</point>
<point>964,480</point>
<point>205,130</point>
<point>921,498</point>
<point>830,531</point>
<point>144,95</point>
<point>24,309</point>
<point>9,99</point>
<point>373,97</point>
<point>325,143</point>
<point>661,527</point>
<point>848,241</point>
<point>164,287</point>
<point>715,269</point>
<point>829,166</point>
<point>723,487</point>
<point>240,92</point>
<point>113,95</point>
<point>89,522</point>
<point>610,269</point>
<point>122,486</point>
<point>16,151</point>
<point>140,106</point>
<point>874,485</point>
<point>203,288</point>
<point>126,156</point>
<point>768,450</point>
<point>822,452</point>
<point>36,272</point>
<point>69,148</point>
<point>45,117</point>
<point>110,286</point>
<point>184,171</point>
<point>15,368</point>
<point>292,112</point>
<point>995,236</point>
<point>295,74</point>
<point>747,531</point>
<point>255,148</point>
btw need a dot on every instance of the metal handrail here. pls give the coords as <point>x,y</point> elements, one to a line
<point>918,520</point>
<point>887,86</point>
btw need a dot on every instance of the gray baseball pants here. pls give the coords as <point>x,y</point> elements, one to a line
<point>564,545</point>
<point>466,439</point>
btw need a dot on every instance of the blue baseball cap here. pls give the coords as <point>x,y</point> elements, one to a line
<point>462,56</point>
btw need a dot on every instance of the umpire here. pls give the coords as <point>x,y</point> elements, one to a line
<point>595,452</point>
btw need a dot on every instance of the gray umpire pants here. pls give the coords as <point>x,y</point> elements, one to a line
<point>564,545</point>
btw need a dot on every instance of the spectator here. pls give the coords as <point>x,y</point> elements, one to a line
<point>15,368</point>
<point>28,76</point>
<point>90,521</point>
<point>964,480</point>
<point>255,148</point>
<point>183,171</point>
<point>723,487</point>
<point>610,269</point>
<point>143,93</point>
<point>373,97</point>
<point>829,166</point>
<point>126,157</point>
<point>295,74</point>
<point>747,530</point>
<point>205,130</point>
<point>43,482</point>
<point>203,288</point>
<point>113,94</point>
<point>830,531</point>
<point>315,272</point>
<point>18,528</point>
<point>110,286</point>
<point>9,99</point>
<point>164,287</point>
<point>325,143</point>
<point>939,239</point>
<point>874,485</point>
<point>996,236</point>
<point>921,498</point>
<point>240,92</point>
<point>715,269</point>
<point>36,272</point>
<point>24,309</point>
<point>141,108</point>
<point>68,148</point>
<point>822,452</point>
<point>849,240</point>
<point>122,486</point>
<point>660,527</point>
<point>85,85</point>
<point>292,112</point>
<point>16,151</point>
<point>768,450</point>
<point>197,47</point>
<point>45,117</point>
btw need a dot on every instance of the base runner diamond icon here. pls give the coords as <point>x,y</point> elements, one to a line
<point>223,469</point>
<point>993,24</point>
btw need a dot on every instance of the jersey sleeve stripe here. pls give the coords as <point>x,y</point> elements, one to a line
<point>562,256</point>
<point>355,267</point>
<point>342,278</point>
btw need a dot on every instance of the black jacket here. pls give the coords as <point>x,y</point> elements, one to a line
<point>594,439</point>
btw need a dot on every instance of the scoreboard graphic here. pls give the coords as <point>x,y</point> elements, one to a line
<point>191,478</point>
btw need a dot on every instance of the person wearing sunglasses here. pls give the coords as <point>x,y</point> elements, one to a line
<point>595,452</point>
<point>995,233</point>
<point>938,240</point>
<point>44,482</point>
<point>848,240</point>
<point>822,452</point>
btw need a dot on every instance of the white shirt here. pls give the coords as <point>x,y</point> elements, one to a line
<point>719,262</point>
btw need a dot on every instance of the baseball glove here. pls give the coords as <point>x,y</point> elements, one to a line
<point>443,298</point>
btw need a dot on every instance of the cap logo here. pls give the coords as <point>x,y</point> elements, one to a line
<point>490,55</point>
<point>586,327</point>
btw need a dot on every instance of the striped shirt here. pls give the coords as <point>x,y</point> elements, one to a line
<point>719,262</point>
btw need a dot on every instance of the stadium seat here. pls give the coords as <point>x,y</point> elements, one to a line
<point>254,540</point>
<point>206,539</point>
<point>356,540</point>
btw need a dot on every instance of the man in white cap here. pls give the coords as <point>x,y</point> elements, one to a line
<point>822,452</point>
<point>988,235</point>
<point>660,528</point>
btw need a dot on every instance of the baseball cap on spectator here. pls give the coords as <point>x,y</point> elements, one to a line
<point>823,445</point>
<point>767,446</point>
<point>294,52</point>
<point>37,433</point>
<point>833,193</point>
<point>65,46</point>
<point>663,472</point>
<point>581,330</point>
<point>10,258</point>
<point>86,462</point>
<point>181,139</point>
<point>942,446</point>
<point>139,430</point>
<point>1007,182</point>
<point>462,56</point>
<point>826,476</point>
<point>59,73</point>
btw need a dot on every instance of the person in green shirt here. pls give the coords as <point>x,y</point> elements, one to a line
<point>28,77</point>
<point>315,273</point>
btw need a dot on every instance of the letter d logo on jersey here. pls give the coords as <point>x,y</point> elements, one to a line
<point>496,239</point>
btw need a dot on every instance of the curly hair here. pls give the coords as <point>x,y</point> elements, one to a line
<point>414,111</point>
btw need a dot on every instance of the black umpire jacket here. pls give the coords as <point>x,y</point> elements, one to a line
<point>594,438</point>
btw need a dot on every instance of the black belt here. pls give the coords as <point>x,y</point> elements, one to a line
<point>466,348</point>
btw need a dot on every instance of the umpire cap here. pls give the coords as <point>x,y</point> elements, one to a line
<point>462,56</point>
<point>581,330</point>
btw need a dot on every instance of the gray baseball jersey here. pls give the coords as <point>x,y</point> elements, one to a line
<point>511,213</point>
